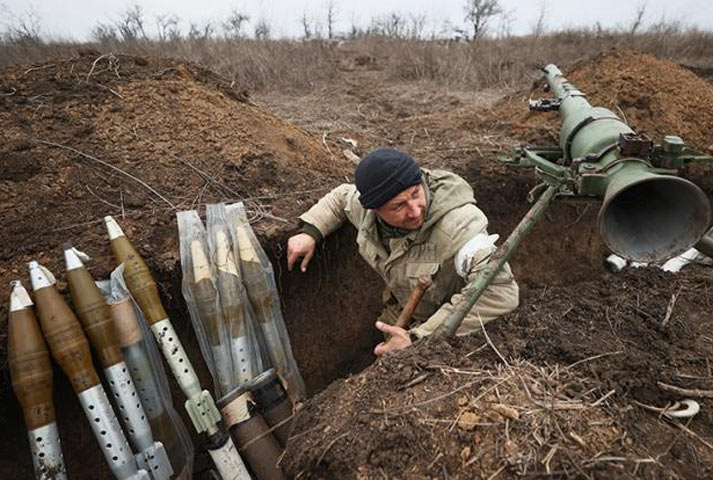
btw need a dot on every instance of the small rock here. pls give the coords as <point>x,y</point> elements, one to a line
<point>468,421</point>
<point>465,453</point>
<point>505,411</point>
<point>510,448</point>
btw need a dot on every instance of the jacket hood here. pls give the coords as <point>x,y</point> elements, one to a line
<point>445,192</point>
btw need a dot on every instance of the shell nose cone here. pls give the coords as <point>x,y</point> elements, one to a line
<point>40,277</point>
<point>19,298</point>
<point>113,228</point>
<point>71,258</point>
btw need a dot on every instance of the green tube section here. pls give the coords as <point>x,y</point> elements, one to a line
<point>647,215</point>
<point>475,289</point>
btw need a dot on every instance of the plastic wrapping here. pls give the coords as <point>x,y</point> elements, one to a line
<point>200,291</point>
<point>144,361</point>
<point>259,280</point>
<point>236,310</point>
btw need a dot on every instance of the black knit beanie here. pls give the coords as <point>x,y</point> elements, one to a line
<point>383,174</point>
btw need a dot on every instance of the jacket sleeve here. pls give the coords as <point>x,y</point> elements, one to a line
<point>332,210</point>
<point>499,298</point>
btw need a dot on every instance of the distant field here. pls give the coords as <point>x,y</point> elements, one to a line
<point>264,65</point>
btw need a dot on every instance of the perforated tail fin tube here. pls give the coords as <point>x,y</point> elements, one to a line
<point>144,364</point>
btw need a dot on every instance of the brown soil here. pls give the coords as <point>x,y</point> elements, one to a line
<point>163,121</point>
<point>429,411</point>
<point>653,96</point>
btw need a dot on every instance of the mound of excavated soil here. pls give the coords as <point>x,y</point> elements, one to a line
<point>565,403</point>
<point>136,138</point>
<point>653,95</point>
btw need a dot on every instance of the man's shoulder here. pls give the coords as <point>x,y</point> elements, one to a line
<point>462,219</point>
<point>440,176</point>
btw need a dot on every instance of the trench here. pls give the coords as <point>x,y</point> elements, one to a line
<point>329,312</point>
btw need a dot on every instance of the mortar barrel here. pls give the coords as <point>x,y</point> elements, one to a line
<point>646,217</point>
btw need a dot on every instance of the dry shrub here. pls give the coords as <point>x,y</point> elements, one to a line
<point>516,419</point>
<point>304,65</point>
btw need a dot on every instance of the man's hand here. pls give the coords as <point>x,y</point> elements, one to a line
<point>300,246</point>
<point>399,338</point>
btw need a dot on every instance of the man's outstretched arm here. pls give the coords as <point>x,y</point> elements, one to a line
<point>326,216</point>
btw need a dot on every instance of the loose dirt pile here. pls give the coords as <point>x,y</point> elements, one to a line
<point>140,138</point>
<point>137,138</point>
<point>652,95</point>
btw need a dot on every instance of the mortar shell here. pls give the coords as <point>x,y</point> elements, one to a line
<point>126,324</point>
<point>225,456</point>
<point>92,310</point>
<point>31,374</point>
<point>206,301</point>
<point>252,436</point>
<point>63,332</point>
<point>30,367</point>
<point>136,274</point>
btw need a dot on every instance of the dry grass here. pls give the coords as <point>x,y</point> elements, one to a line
<point>305,65</point>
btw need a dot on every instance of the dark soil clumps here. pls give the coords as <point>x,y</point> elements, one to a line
<point>436,409</point>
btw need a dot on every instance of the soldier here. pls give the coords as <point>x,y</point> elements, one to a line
<point>412,222</point>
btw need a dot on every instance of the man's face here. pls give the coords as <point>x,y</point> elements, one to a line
<point>406,210</point>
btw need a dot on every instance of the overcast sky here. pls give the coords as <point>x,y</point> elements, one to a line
<point>75,18</point>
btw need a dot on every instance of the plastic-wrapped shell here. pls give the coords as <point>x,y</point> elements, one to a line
<point>259,279</point>
<point>237,311</point>
<point>145,376</point>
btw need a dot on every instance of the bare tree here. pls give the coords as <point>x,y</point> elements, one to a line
<point>23,28</point>
<point>417,25</point>
<point>505,24</point>
<point>201,32</point>
<point>104,32</point>
<point>131,24</point>
<point>354,28</point>
<point>306,26</point>
<point>539,27</point>
<point>332,14</point>
<point>638,17</point>
<point>233,25</point>
<point>479,13</point>
<point>167,27</point>
<point>263,29</point>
